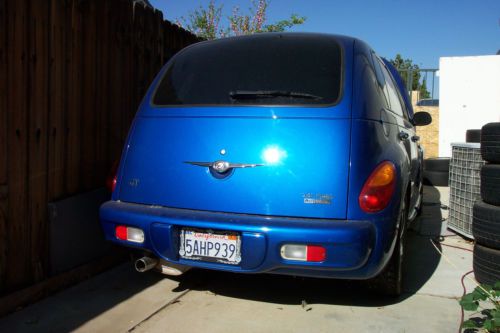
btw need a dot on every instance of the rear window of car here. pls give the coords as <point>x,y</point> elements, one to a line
<point>265,69</point>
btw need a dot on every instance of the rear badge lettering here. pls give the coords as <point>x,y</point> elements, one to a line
<point>133,182</point>
<point>317,199</point>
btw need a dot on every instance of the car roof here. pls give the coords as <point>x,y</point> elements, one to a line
<point>299,36</point>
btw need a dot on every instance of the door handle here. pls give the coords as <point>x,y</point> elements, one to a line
<point>403,136</point>
<point>415,138</point>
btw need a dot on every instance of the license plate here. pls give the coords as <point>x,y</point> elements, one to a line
<point>208,245</point>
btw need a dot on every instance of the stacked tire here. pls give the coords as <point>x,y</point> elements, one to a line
<point>436,171</point>
<point>486,212</point>
<point>473,135</point>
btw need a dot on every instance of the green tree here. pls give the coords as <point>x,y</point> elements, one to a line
<point>406,69</point>
<point>206,23</point>
<point>424,93</point>
<point>410,72</point>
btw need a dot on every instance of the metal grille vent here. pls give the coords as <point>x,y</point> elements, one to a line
<point>465,185</point>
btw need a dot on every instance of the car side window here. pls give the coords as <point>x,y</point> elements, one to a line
<point>406,113</point>
<point>380,78</point>
<point>401,99</point>
<point>404,98</point>
<point>394,97</point>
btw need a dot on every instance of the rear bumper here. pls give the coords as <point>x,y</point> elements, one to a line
<point>355,249</point>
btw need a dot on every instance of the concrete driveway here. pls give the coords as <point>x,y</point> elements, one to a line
<point>122,300</point>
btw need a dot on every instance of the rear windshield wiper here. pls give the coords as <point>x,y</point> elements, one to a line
<point>254,94</point>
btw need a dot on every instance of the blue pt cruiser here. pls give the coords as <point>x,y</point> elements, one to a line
<point>285,153</point>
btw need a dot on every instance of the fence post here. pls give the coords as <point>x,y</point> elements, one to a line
<point>18,229</point>
<point>38,108</point>
<point>3,143</point>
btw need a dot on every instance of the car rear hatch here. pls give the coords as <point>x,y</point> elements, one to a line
<point>253,125</point>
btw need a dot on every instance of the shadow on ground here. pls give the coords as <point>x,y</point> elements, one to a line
<point>71,308</point>
<point>421,261</point>
<point>94,297</point>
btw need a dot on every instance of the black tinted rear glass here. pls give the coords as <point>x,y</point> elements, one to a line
<point>266,69</point>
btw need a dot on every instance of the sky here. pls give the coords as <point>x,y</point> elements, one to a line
<point>422,30</point>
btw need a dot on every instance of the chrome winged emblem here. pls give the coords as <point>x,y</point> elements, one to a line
<point>223,166</point>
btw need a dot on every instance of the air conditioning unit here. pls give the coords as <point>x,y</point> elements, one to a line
<point>465,185</point>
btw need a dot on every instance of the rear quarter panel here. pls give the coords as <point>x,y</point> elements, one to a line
<point>374,139</point>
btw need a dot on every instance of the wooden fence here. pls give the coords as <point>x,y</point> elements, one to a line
<point>72,74</point>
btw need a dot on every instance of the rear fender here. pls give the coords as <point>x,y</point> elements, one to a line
<point>123,158</point>
<point>372,143</point>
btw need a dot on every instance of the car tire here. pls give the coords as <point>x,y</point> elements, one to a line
<point>486,224</point>
<point>486,264</point>
<point>437,164</point>
<point>390,281</point>
<point>490,184</point>
<point>490,142</point>
<point>436,178</point>
<point>473,135</point>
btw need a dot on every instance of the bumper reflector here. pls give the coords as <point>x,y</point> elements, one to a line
<point>315,253</point>
<point>129,234</point>
<point>312,253</point>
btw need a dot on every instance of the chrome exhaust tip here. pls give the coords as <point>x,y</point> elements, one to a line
<point>145,264</point>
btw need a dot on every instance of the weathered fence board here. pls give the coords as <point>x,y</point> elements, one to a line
<point>125,43</point>
<point>3,94</point>
<point>72,74</point>
<point>114,84</point>
<point>37,136</point>
<point>58,91</point>
<point>88,82</point>
<point>18,226</point>
<point>139,54</point>
<point>74,82</point>
<point>102,94</point>
<point>3,141</point>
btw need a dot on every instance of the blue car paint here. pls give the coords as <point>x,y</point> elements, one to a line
<point>358,244</point>
<point>291,138</point>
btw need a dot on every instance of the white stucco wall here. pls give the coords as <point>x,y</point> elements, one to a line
<point>469,97</point>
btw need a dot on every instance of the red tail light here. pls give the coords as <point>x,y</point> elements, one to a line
<point>312,253</point>
<point>111,180</point>
<point>379,188</point>
<point>315,253</point>
<point>121,232</point>
<point>130,234</point>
